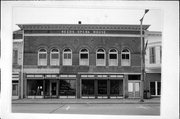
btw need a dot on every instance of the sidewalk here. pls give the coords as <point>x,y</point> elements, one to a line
<point>86,101</point>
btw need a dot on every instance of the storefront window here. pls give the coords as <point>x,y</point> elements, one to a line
<point>116,87</point>
<point>35,87</point>
<point>152,88</point>
<point>87,87</point>
<point>14,89</point>
<point>155,88</point>
<point>102,87</point>
<point>159,88</point>
<point>67,87</point>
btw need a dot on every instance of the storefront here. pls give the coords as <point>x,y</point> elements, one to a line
<point>15,85</point>
<point>134,86</point>
<point>51,86</point>
<point>85,86</point>
<point>102,86</point>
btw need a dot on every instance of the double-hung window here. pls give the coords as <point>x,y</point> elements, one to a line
<point>67,57</point>
<point>113,57</point>
<point>42,57</point>
<point>15,57</point>
<point>125,57</point>
<point>152,55</point>
<point>54,57</point>
<point>100,57</point>
<point>84,57</point>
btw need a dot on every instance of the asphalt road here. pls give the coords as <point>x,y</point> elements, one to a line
<point>105,109</point>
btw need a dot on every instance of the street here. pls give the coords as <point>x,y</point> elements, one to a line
<point>105,109</point>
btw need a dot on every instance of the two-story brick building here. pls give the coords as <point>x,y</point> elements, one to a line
<point>81,61</point>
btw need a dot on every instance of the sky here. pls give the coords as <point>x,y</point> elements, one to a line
<point>34,15</point>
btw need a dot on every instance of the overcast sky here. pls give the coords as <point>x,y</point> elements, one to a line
<point>87,16</point>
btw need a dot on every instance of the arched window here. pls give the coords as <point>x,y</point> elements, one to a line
<point>100,57</point>
<point>42,57</point>
<point>67,56</point>
<point>54,57</point>
<point>84,57</point>
<point>113,57</point>
<point>125,57</point>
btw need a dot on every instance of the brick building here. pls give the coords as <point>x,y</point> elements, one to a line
<point>81,61</point>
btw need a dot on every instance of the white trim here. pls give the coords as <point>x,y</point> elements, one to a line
<point>58,60</point>
<point>17,40</point>
<point>100,35</point>
<point>109,60</point>
<point>80,60</point>
<point>102,59</point>
<point>129,57</point>
<point>42,53</point>
<point>107,73</point>
<point>15,79</point>
<point>64,59</point>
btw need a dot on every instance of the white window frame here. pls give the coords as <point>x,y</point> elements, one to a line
<point>156,88</point>
<point>84,62</point>
<point>152,55</point>
<point>113,62</point>
<point>54,62</point>
<point>103,61</point>
<point>126,62</point>
<point>67,62</point>
<point>45,60</point>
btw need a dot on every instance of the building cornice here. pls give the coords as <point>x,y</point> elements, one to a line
<point>82,27</point>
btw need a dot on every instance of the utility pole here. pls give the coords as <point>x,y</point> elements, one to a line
<point>142,58</point>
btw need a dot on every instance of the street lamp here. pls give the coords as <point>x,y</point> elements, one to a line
<point>142,58</point>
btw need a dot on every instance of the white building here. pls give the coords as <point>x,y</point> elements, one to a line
<point>153,62</point>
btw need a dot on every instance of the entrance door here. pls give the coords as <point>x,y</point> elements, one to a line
<point>102,88</point>
<point>134,89</point>
<point>54,89</point>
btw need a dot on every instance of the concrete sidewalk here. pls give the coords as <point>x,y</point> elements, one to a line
<point>86,101</point>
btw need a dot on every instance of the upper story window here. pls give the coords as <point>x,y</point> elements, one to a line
<point>15,57</point>
<point>84,57</point>
<point>113,57</point>
<point>42,57</point>
<point>100,57</point>
<point>54,57</point>
<point>152,55</point>
<point>160,54</point>
<point>67,56</point>
<point>125,57</point>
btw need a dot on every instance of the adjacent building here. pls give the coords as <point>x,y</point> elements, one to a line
<point>78,61</point>
<point>153,62</point>
<point>17,63</point>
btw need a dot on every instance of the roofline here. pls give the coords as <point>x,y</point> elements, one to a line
<point>137,27</point>
<point>154,32</point>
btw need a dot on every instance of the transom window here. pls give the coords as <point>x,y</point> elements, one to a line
<point>84,57</point>
<point>54,58</point>
<point>67,57</point>
<point>42,57</point>
<point>125,57</point>
<point>113,57</point>
<point>100,57</point>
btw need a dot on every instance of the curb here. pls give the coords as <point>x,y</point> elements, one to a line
<point>85,103</point>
